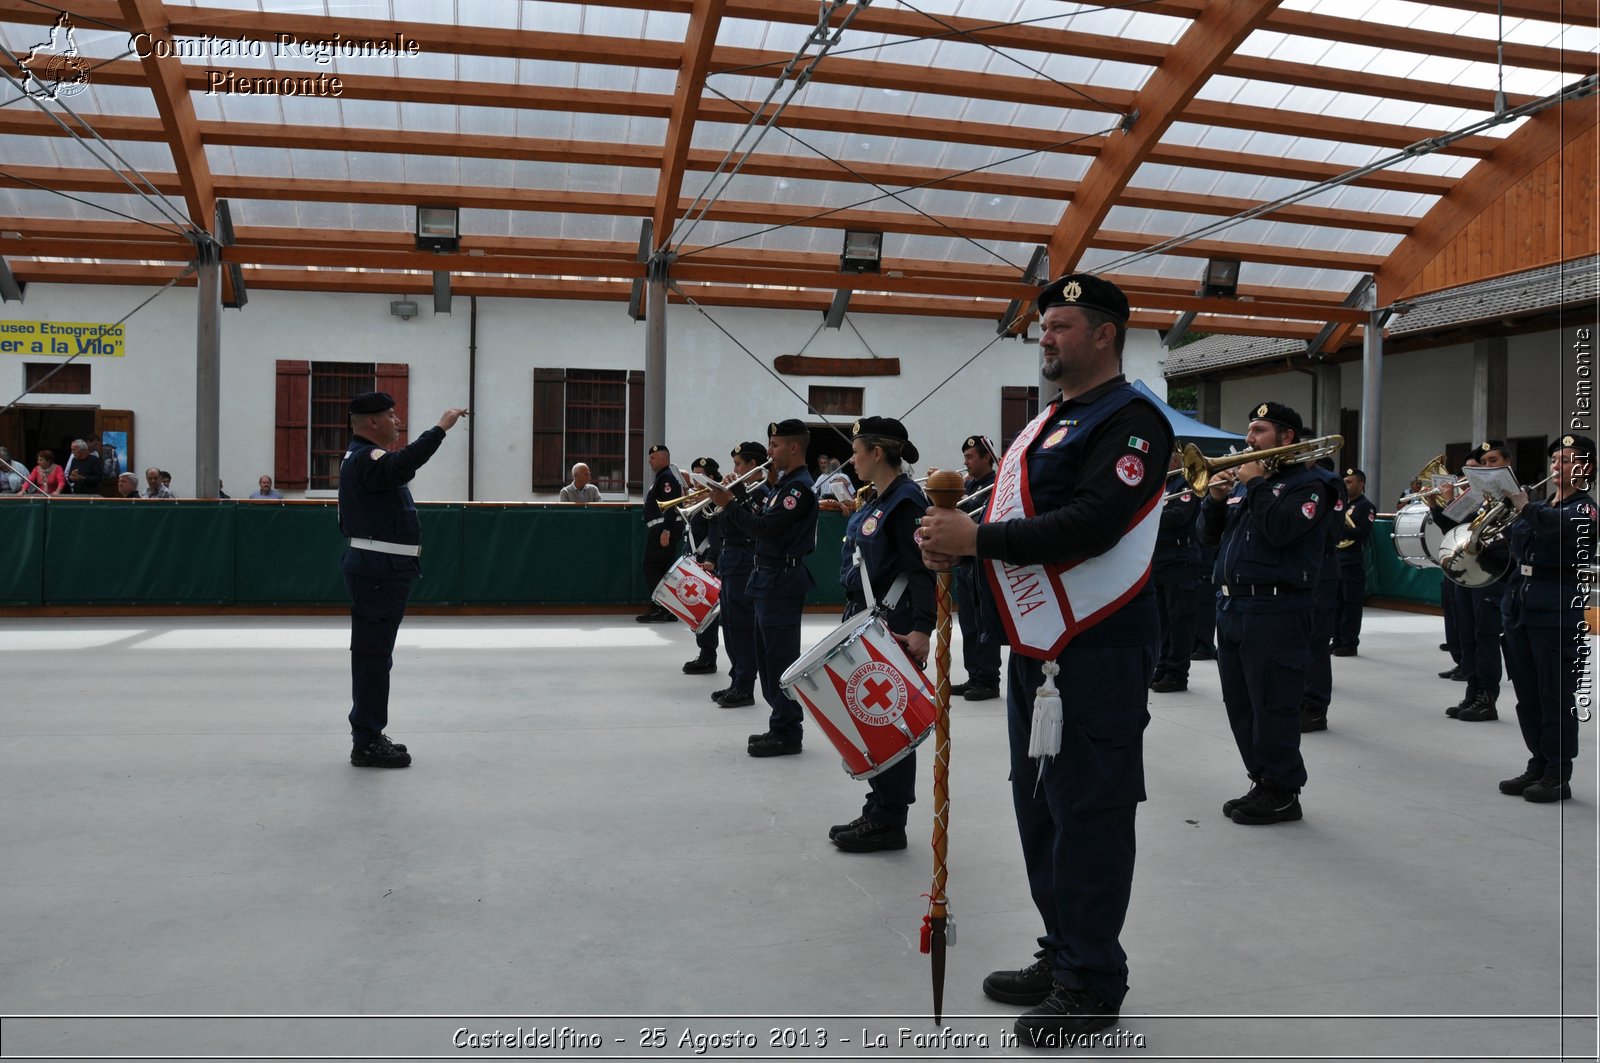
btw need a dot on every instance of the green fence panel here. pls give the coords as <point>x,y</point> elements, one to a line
<point>571,555</point>
<point>287,554</point>
<point>824,560</point>
<point>442,566</point>
<point>22,542</point>
<point>110,551</point>
<point>1390,577</point>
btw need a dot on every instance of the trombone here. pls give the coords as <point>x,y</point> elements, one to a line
<point>1198,469</point>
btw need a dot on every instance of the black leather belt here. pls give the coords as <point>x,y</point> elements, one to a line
<point>1256,590</point>
<point>777,562</point>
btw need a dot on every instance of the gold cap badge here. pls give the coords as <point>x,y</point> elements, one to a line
<point>1261,411</point>
<point>1567,441</point>
<point>1072,292</point>
<point>772,428</point>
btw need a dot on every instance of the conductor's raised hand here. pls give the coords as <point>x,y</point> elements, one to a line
<point>448,419</point>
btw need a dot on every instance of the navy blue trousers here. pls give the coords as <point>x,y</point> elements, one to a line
<point>1452,631</point>
<point>706,640</point>
<point>738,619</point>
<point>1352,593</point>
<point>1319,665</point>
<point>1075,813</point>
<point>777,647</point>
<point>1478,633</point>
<point>1262,659</point>
<point>1175,604</point>
<point>376,608</point>
<point>1205,612</point>
<point>1543,663</point>
<point>981,633</point>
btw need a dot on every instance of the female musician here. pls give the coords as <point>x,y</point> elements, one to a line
<point>883,532</point>
<point>1546,645</point>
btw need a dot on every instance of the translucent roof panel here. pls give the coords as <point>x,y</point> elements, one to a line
<point>900,98</point>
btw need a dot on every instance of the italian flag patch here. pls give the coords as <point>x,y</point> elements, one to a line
<point>1138,444</point>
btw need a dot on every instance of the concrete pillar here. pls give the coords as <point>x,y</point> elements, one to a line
<point>1208,402</point>
<point>1372,398</point>
<point>1330,401</point>
<point>1488,388</point>
<point>655,353</point>
<point>208,371</point>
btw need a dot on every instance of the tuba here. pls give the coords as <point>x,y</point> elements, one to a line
<point>1461,550</point>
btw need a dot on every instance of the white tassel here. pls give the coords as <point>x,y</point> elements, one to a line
<point>1046,738</point>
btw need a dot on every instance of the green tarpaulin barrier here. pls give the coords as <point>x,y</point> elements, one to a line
<point>148,552</point>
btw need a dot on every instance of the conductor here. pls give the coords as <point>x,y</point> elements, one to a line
<point>378,516</point>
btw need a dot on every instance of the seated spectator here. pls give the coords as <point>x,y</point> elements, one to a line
<point>166,480</point>
<point>220,492</point>
<point>46,476</point>
<point>11,474</point>
<point>264,489</point>
<point>154,487</point>
<point>580,490</point>
<point>83,470</point>
<point>127,485</point>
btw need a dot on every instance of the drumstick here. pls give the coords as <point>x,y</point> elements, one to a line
<point>943,490</point>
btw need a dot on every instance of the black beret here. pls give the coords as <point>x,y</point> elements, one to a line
<point>749,452</point>
<point>886,428</point>
<point>1085,290</point>
<point>1357,473</point>
<point>1582,444</point>
<point>788,427</point>
<point>1280,415</point>
<point>706,465</point>
<point>658,448</point>
<point>372,402</point>
<point>979,443</point>
<point>1487,445</point>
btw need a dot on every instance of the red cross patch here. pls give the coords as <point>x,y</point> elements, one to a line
<point>1130,469</point>
<point>1309,509</point>
<point>789,502</point>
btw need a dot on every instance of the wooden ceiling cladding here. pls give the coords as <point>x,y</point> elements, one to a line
<point>1080,207</point>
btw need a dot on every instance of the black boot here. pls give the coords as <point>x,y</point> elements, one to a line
<point>1030,986</point>
<point>1064,1015</point>
<point>705,664</point>
<point>1481,709</point>
<point>1519,786</point>
<point>1548,789</point>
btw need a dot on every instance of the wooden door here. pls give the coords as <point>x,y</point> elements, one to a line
<point>115,451</point>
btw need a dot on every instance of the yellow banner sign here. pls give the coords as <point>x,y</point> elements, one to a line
<point>83,338</point>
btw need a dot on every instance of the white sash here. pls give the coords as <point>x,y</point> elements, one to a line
<point>1045,606</point>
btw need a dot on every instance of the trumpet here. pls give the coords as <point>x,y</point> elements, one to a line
<point>1199,469</point>
<point>1426,492</point>
<point>693,502</point>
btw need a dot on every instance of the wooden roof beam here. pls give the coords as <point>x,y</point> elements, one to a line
<point>1168,92</point>
<point>704,21</point>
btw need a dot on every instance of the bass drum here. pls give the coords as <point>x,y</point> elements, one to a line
<point>1416,536</point>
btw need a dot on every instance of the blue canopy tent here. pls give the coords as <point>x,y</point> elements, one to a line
<point>1188,430</point>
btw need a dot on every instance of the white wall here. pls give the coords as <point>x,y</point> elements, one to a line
<point>1427,401</point>
<point>716,394</point>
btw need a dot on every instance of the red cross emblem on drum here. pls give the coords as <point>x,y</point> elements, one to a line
<point>875,694</point>
<point>692,591</point>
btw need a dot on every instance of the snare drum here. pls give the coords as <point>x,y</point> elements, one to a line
<point>1416,536</point>
<point>874,705</point>
<point>689,593</point>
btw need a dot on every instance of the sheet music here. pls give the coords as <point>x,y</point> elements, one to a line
<point>1465,505</point>
<point>1493,484</point>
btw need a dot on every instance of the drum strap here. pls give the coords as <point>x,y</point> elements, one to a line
<point>896,589</point>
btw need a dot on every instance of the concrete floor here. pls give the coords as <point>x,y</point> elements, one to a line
<point>583,842</point>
